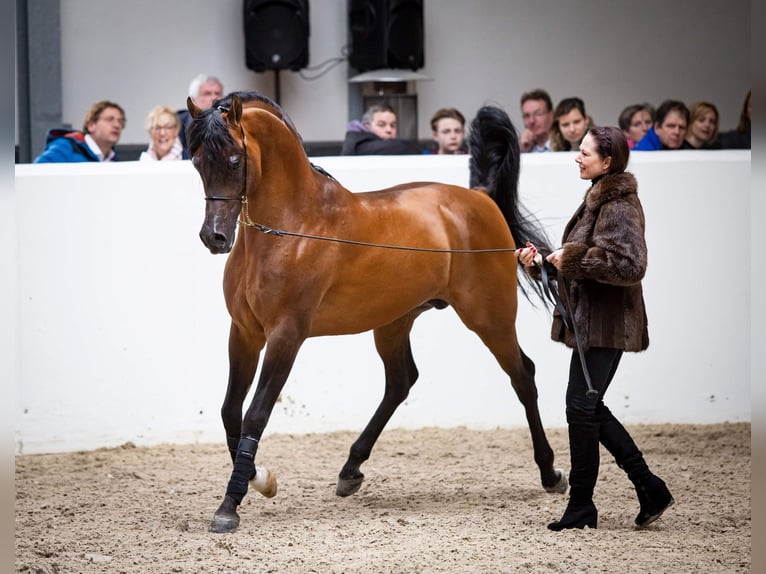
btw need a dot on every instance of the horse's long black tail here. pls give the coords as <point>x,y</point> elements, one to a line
<point>494,166</point>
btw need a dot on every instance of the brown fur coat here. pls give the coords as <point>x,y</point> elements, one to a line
<point>604,259</point>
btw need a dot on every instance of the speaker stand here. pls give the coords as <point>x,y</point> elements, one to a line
<point>277,88</point>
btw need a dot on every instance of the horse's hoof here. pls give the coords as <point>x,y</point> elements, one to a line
<point>265,481</point>
<point>561,486</point>
<point>348,486</point>
<point>224,523</point>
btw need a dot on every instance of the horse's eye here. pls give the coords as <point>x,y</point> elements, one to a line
<point>234,161</point>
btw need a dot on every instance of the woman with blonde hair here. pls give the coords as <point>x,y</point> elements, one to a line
<point>163,127</point>
<point>703,126</point>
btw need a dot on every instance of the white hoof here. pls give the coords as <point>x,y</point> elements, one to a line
<point>561,486</point>
<point>264,481</point>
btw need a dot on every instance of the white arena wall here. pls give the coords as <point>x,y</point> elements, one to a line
<point>120,330</point>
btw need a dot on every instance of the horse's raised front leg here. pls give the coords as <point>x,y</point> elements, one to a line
<point>278,361</point>
<point>393,345</point>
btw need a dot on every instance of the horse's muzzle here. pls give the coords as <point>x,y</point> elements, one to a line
<point>216,242</point>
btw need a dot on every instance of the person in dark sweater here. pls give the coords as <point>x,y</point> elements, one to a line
<point>375,134</point>
<point>739,138</point>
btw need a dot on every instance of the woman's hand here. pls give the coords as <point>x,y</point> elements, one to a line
<point>528,256</point>
<point>555,258</point>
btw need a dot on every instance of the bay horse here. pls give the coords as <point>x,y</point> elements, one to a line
<point>283,283</point>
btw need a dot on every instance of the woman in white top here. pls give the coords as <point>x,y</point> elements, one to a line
<point>163,127</point>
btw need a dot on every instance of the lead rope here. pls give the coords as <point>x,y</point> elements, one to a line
<point>246,221</point>
<point>569,323</point>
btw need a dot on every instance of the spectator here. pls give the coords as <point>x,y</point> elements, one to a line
<point>739,138</point>
<point>448,126</point>
<point>669,129</point>
<point>163,127</point>
<point>203,90</point>
<point>101,131</point>
<point>570,124</point>
<point>703,126</point>
<point>376,134</point>
<point>635,120</point>
<point>537,114</point>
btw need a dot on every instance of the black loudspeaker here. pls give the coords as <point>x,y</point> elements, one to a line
<point>385,34</point>
<point>276,34</point>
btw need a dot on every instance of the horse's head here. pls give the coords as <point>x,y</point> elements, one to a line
<point>233,169</point>
<point>218,150</point>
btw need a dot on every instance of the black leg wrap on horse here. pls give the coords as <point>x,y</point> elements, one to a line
<point>233,443</point>
<point>244,468</point>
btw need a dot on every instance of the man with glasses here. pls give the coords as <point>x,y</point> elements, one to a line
<point>537,114</point>
<point>101,131</point>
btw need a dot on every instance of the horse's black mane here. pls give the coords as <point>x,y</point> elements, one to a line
<point>210,131</point>
<point>256,97</point>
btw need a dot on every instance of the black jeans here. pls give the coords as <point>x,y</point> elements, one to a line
<point>602,365</point>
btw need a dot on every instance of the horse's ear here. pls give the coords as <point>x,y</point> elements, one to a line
<point>193,109</point>
<point>234,115</point>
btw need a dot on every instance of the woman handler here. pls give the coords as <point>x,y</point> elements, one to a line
<point>599,269</point>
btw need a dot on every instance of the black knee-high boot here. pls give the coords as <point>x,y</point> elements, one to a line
<point>584,456</point>
<point>653,495</point>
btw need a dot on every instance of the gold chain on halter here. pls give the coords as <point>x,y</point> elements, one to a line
<point>244,215</point>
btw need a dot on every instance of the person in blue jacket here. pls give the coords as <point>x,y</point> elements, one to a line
<point>671,120</point>
<point>101,131</point>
